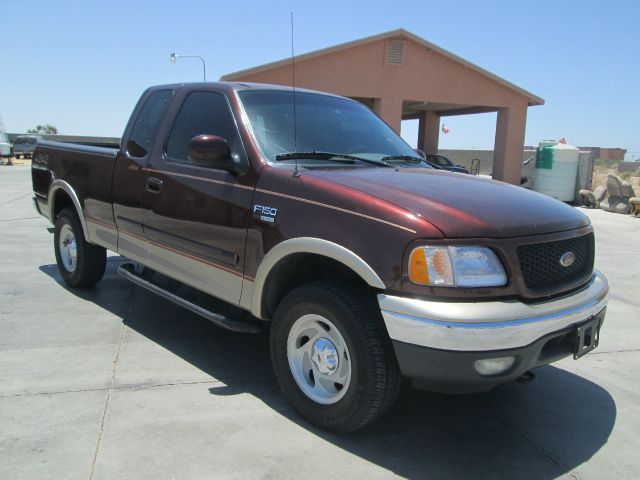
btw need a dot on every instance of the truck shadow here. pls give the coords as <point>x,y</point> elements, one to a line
<point>542,430</point>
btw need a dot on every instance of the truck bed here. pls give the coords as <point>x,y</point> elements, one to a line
<point>88,169</point>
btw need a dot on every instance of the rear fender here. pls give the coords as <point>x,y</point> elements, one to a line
<point>68,189</point>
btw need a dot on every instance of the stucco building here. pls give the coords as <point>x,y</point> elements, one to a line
<point>402,76</point>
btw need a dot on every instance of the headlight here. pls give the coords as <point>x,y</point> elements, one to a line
<point>441,266</point>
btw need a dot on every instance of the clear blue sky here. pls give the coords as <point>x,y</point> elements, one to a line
<point>81,65</point>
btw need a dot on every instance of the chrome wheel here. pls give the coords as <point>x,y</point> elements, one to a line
<point>319,359</point>
<point>67,248</point>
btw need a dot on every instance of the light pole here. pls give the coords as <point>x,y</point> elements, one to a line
<point>174,56</point>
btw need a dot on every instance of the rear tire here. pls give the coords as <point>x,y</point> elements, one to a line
<point>332,356</point>
<point>80,263</point>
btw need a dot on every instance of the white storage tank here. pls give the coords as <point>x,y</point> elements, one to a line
<point>5,147</point>
<point>556,170</point>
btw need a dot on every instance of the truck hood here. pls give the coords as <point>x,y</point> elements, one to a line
<point>461,205</point>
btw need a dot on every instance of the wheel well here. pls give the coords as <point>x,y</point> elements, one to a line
<point>61,200</point>
<point>299,268</point>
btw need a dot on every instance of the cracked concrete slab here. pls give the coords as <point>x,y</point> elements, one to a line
<point>49,436</point>
<point>174,346</point>
<point>187,400</point>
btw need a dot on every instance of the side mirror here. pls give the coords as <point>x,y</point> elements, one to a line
<point>421,153</point>
<point>135,149</point>
<point>210,151</point>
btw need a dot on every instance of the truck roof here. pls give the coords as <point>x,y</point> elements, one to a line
<point>235,86</point>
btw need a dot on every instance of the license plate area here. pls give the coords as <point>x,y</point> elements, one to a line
<point>588,335</point>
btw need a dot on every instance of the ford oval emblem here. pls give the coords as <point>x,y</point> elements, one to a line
<point>567,259</point>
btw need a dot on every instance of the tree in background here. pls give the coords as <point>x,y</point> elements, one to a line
<point>44,130</point>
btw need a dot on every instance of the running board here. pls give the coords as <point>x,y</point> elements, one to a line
<point>128,272</point>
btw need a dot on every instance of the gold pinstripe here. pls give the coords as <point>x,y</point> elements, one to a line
<point>193,177</point>
<point>332,207</point>
<point>284,195</point>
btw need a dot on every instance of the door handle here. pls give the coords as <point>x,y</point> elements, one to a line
<point>154,185</point>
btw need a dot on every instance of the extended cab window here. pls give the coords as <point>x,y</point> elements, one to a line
<point>202,113</point>
<point>148,122</point>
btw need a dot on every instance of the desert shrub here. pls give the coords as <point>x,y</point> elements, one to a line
<point>606,163</point>
<point>625,175</point>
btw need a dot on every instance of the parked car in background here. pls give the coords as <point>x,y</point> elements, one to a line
<point>445,164</point>
<point>24,145</point>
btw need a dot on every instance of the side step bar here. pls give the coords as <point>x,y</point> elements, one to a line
<point>128,272</point>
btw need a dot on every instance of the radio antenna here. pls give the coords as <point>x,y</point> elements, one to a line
<point>296,172</point>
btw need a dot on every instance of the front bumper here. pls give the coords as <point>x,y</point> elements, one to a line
<point>437,343</point>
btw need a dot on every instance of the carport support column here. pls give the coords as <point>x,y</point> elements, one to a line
<point>428,132</point>
<point>390,109</point>
<point>507,153</point>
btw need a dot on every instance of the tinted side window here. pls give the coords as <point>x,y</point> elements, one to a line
<point>201,113</point>
<point>148,122</point>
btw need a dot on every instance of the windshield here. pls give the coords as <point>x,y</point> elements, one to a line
<point>323,124</point>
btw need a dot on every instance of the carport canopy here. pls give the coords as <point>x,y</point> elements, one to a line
<point>402,76</point>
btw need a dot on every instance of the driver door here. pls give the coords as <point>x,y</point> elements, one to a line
<point>194,217</point>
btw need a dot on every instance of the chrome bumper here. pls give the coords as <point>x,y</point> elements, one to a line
<point>485,326</point>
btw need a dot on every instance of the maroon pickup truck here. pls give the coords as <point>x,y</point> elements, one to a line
<point>305,213</point>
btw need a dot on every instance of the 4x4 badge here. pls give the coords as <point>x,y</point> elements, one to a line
<point>567,259</point>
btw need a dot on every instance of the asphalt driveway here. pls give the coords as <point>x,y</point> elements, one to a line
<point>113,382</point>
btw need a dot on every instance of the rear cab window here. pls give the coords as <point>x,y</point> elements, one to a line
<point>147,123</point>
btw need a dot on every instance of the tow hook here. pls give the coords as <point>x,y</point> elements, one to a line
<point>527,377</point>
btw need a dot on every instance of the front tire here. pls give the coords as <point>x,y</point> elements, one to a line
<point>332,356</point>
<point>80,263</point>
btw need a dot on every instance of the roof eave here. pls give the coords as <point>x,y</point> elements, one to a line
<point>532,99</point>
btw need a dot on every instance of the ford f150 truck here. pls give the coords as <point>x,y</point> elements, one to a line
<point>306,213</point>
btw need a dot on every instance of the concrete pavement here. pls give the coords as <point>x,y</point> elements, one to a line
<point>113,382</point>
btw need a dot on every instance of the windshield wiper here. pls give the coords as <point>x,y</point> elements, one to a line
<point>336,157</point>
<point>402,157</point>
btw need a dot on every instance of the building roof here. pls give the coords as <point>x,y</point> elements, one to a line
<point>531,98</point>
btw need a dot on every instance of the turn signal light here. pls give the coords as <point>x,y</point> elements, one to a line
<point>418,272</point>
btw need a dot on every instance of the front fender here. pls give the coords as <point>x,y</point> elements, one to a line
<point>305,245</point>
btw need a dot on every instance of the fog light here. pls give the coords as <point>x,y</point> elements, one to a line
<point>494,366</point>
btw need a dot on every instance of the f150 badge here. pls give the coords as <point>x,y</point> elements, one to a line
<point>266,214</point>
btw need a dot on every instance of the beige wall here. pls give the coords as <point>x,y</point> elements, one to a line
<point>362,71</point>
